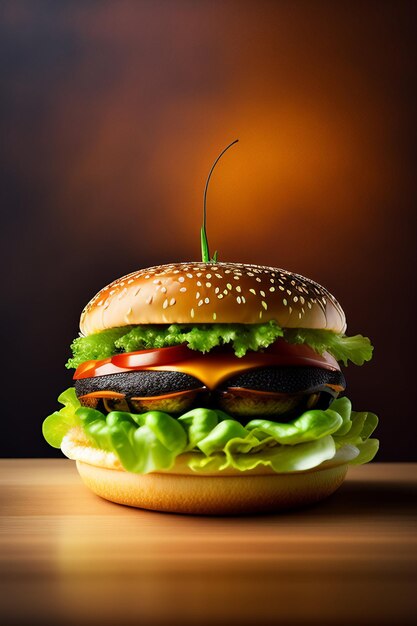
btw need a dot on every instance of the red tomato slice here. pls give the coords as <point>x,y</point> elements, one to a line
<point>130,360</point>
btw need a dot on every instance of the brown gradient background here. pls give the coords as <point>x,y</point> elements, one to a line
<point>112,114</point>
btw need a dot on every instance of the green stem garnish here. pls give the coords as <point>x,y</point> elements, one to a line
<point>205,254</point>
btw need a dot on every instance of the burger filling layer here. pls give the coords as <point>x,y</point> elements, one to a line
<point>223,395</point>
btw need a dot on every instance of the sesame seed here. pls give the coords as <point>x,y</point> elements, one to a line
<point>295,298</point>
<point>285,302</point>
<point>163,289</point>
<point>208,275</point>
<point>192,313</point>
<point>214,316</point>
<point>272,280</point>
<point>147,276</point>
<point>259,280</point>
<point>243,299</point>
<point>289,292</point>
<point>206,300</point>
<point>253,291</point>
<point>189,276</point>
<point>183,289</point>
<point>165,303</point>
<point>156,281</point>
<point>260,314</point>
<point>229,286</point>
<point>220,296</point>
<point>137,291</point>
<point>197,295</point>
<point>100,303</point>
<point>172,302</point>
<point>237,276</point>
<point>225,292</point>
<point>238,288</point>
<point>250,274</point>
<point>217,290</point>
<point>199,283</point>
<point>149,299</point>
<point>272,289</point>
<point>264,304</point>
<point>130,281</point>
<point>262,293</point>
<point>219,275</point>
<point>200,302</point>
<point>181,279</point>
<point>239,299</point>
<point>309,305</point>
<point>199,274</point>
<point>302,300</point>
<point>290,309</point>
<point>208,284</point>
<point>299,316</point>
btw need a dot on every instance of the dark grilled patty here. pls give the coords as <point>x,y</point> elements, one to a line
<point>286,379</point>
<point>148,383</point>
<point>140,383</point>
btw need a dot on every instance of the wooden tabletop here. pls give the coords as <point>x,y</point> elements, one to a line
<point>68,557</point>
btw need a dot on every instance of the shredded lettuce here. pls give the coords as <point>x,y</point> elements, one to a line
<point>212,440</point>
<point>95,347</point>
<point>205,337</point>
<point>202,337</point>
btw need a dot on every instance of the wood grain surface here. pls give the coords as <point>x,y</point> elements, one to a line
<point>68,557</point>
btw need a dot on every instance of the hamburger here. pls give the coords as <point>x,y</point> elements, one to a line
<point>213,388</point>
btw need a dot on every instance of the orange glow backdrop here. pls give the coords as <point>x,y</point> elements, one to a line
<point>113,114</point>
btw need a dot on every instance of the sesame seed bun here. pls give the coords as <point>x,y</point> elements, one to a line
<point>202,293</point>
<point>180,490</point>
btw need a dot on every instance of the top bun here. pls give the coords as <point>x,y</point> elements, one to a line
<point>202,293</point>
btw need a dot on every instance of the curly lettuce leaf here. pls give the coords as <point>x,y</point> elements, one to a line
<point>359,426</point>
<point>281,459</point>
<point>357,349</point>
<point>56,426</point>
<point>152,441</point>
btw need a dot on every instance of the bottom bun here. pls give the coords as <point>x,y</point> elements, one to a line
<point>212,495</point>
